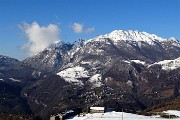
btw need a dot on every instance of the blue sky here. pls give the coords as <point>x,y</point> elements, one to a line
<point>160,17</point>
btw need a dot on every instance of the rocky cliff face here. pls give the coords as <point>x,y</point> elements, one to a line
<point>42,64</point>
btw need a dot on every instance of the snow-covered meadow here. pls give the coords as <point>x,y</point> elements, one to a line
<point>123,116</point>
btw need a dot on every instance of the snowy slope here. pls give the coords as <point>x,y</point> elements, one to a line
<point>169,64</point>
<point>136,61</point>
<point>14,80</point>
<point>139,62</point>
<point>120,116</point>
<point>72,75</point>
<point>96,80</point>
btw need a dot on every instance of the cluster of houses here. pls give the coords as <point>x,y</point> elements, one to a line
<point>69,113</point>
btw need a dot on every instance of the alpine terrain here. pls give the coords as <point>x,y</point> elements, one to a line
<point>123,69</point>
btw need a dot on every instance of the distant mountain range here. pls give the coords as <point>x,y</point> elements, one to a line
<point>123,69</point>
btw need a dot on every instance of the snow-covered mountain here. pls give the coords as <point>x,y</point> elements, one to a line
<point>50,59</point>
<point>122,67</point>
<point>98,55</point>
<point>129,45</point>
<point>103,49</point>
<point>130,35</point>
<point>119,69</point>
<point>44,63</point>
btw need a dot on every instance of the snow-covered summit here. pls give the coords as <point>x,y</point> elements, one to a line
<point>54,46</point>
<point>130,35</point>
<point>173,39</point>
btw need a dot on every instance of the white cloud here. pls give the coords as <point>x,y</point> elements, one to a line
<point>89,30</point>
<point>39,37</point>
<point>79,28</point>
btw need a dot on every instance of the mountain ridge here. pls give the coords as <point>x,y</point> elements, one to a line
<point>131,35</point>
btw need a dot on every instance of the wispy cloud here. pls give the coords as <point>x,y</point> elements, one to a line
<point>39,37</point>
<point>79,28</point>
<point>89,30</point>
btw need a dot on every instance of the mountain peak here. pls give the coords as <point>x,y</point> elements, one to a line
<point>173,39</point>
<point>130,35</point>
<point>7,62</point>
<point>133,36</point>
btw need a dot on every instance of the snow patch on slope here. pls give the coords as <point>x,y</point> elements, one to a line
<point>72,52</point>
<point>84,62</point>
<point>136,61</point>
<point>14,80</point>
<point>74,74</point>
<point>169,64</point>
<point>96,80</point>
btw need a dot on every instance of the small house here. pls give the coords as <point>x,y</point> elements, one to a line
<point>97,109</point>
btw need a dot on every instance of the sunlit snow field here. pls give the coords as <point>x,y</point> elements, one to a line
<point>123,116</point>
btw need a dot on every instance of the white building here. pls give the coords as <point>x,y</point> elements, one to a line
<point>97,109</point>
